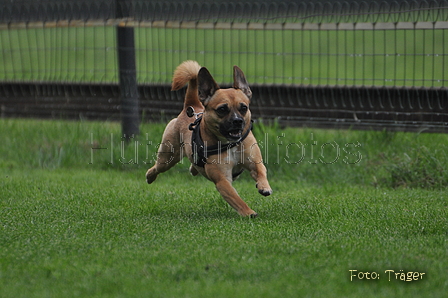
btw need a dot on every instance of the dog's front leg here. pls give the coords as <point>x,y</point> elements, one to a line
<point>258,173</point>
<point>223,183</point>
<point>253,162</point>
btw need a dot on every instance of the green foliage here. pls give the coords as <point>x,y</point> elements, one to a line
<point>378,158</point>
<point>419,167</point>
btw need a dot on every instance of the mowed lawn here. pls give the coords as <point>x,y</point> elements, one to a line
<point>82,222</point>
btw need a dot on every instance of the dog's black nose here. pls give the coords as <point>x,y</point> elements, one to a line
<point>237,122</point>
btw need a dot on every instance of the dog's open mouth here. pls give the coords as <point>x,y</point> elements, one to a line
<point>235,134</point>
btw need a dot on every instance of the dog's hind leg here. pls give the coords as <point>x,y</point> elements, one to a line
<point>193,170</point>
<point>168,153</point>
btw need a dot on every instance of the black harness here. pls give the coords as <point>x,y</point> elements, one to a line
<point>200,152</point>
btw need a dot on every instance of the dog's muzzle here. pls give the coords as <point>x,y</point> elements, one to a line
<point>232,129</point>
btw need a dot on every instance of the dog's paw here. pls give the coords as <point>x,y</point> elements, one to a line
<point>151,176</point>
<point>264,191</point>
<point>150,180</point>
<point>248,213</point>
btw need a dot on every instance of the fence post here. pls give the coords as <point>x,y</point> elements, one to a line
<point>130,117</point>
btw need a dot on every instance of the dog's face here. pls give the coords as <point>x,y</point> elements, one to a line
<point>226,113</point>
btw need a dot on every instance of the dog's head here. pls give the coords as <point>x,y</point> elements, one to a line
<point>226,113</point>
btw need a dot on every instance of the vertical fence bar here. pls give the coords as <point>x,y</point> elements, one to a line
<point>130,106</point>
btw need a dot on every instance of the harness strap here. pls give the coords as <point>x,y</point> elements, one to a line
<point>200,152</point>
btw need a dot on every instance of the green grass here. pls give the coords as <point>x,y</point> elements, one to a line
<point>326,57</point>
<point>70,227</point>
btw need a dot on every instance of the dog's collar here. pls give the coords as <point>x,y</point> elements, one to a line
<point>200,152</point>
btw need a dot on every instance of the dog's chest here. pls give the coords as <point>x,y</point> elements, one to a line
<point>232,156</point>
<point>235,155</point>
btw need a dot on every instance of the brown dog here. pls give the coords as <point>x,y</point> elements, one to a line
<point>218,140</point>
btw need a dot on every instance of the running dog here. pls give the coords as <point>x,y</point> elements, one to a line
<point>214,132</point>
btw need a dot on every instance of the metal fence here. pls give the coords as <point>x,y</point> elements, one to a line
<point>362,64</point>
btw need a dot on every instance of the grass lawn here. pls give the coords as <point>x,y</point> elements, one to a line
<point>77,222</point>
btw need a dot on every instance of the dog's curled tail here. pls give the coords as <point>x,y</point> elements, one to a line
<point>187,72</point>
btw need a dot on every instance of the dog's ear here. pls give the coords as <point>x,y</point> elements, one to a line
<point>206,86</point>
<point>240,82</point>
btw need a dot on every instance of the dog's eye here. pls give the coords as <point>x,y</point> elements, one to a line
<point>243,109</point>
<point>222,110</point>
